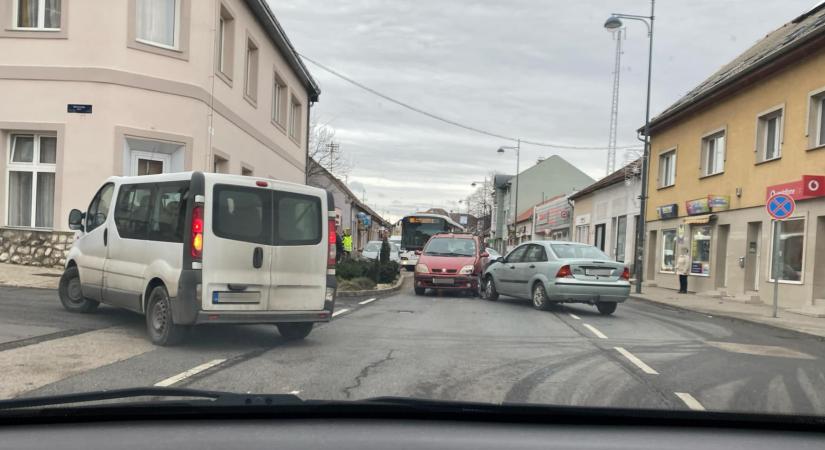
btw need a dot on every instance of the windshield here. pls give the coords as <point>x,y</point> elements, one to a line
<point>578,251</point>
<point>204,203</point>
<point>450,247</point>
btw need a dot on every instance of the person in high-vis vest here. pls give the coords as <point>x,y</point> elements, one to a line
<point>347,243</point>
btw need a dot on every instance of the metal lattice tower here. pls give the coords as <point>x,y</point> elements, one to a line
<point>614,107</point>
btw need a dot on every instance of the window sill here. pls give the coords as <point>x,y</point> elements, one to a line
<point>816,147</point>
<point>666,187</point>
<point>767,161</point>
<point>20,227</point>
<point>159,49</point>
<point>702,177</point>
<point>798,283</point>
<point>34,33</point>
<point>279,126</point>
<point>250,100</point>
<point>669,272</point>
<point>224,77</point>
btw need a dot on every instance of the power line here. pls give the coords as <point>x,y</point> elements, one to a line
<point>450,121</point>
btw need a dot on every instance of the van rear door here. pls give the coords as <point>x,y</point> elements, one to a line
<point>299,258</point>
<point>237,250</point>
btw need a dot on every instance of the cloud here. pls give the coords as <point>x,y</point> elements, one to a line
<point>528,68</point>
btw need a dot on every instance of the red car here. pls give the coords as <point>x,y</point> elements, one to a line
<point>450,262</point>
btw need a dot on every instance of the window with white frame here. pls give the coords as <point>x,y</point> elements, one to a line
<point>158,22</point>
<point>769,136</point>
<point>817,116</point>
<point>37,14</point>
<point>145,156</point>
<point>668,250</point>
<point>791,251</point>
<point>667,168</point>
<point>226,42</point>
<point>279,98</point>
<point>295,119</point>
<point>250,89</point>
<point>31,167</point>
<point>713,154</point>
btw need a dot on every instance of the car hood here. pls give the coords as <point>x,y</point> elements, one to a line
<point>446,262</point>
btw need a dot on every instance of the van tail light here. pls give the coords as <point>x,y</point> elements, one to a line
<point>332,242</point>
<point>564,272</point>
<point>197,232</point>
<point>626,274</point>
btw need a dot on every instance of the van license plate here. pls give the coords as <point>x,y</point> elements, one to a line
<point>598,272</point>
<point>443,281</point>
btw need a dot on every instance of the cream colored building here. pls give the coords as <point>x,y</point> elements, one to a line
<point>96,88</point>
<point>755,127</point>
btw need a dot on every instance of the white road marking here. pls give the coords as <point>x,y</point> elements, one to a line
<point>759,350</point>
<point>690,401</point>
<point>193,371</point>
<point>575,316</point>
<point>638,362</point>
<point>339,312</point>
<point>369,300</point>
<point>593,329</point>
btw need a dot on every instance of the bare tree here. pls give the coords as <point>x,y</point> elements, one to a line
<point>324,151</point>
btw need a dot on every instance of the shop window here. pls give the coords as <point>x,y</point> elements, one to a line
<point>668,250</point>
<point>791,251</point>
<point>700,250</point>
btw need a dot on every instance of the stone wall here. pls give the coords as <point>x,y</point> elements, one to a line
<point>35,247</point>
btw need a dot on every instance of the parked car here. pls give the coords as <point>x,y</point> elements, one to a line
<point>373,249</point>
<point>551,272</point>
<point>200,248</point>
<point>450,262</point>
<point>493,253</point>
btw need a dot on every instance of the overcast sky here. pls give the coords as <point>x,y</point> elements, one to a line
<point>536,69</point>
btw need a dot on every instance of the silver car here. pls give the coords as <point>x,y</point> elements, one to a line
<point>373,249</point>
<point>551,272</point>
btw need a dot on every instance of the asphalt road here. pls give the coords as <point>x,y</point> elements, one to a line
<point>440,347</point>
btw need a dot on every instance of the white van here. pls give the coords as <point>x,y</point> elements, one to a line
<point>196,248</point>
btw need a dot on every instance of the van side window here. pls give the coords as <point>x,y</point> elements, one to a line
<point>166,221</point>
<point>299,219</point>
<point>99,208</point>
<point>132,210</point>
<point>242,213</point>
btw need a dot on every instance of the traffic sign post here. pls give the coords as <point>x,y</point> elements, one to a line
<point>779,207</point>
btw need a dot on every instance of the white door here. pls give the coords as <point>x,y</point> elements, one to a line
<point>93,243</point>
<point>237,254</point>
<point>145,163</point>
<point>299,259</point>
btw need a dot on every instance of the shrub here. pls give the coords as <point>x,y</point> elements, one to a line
<point>353,268</point>
<point>384,255</point>
<point>356,284</point>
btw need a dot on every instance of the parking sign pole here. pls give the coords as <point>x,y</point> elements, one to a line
<point>777,228</point>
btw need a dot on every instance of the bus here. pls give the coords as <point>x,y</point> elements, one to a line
<point>416,230</point>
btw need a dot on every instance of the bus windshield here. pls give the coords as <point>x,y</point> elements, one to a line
<point>416,231</point>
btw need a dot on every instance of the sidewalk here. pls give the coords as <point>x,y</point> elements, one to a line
<point>29,276</point>
<point>749,312</point>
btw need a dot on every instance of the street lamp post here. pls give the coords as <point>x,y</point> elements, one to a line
<point>517,148</point>
<point>613,22</point>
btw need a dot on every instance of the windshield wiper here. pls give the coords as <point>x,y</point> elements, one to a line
<point>193,396</point>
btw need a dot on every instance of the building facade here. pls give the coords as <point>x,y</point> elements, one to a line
<point>755,127</point>
<point>129,87</point>
<point>546,179</point>
<point>606,213</point>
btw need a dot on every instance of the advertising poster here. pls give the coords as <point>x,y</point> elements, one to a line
<point>719,202</point>
<point>698,206</point>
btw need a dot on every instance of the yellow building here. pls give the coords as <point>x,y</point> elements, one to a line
<point>755,126</point>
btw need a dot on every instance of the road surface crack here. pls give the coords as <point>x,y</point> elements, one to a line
<point>365,372</point>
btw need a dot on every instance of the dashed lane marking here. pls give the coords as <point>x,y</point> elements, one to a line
<point>595,331</point>
<point>690,401</point>
<point>367,301</point>
<point>339,312</point>
<point>574,316</point>
<point>636,361</point>
<point>193,371</point>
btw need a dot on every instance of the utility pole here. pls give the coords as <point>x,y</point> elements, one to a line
<point>332,147</point>
<point>614,106</point>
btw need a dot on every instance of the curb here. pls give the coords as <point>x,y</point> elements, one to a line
<point>396,287</point>
<point>728,316</point>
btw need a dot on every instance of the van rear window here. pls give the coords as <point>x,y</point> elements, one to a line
<point>242,213</point>
<point>299,219</point>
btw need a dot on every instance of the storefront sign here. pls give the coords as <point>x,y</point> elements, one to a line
<point>668,211</point>
<point>810,186</point>
<point>719,202</point>
<point>78,109</point>
<point>583,219</point>
<point>553,215</point>
<point>698,206</point>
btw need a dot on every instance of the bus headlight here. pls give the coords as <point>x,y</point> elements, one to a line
<point>422,268</point>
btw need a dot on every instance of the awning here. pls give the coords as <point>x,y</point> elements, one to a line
<point>699,220</point>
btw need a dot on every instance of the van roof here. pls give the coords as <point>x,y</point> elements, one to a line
<point>226,177</point>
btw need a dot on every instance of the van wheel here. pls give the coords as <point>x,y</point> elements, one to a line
<point>419,291</point>
<point>71,296</point>
<point>490,292</point>
<point>606,308</point>
<point>540,300</point>
<point>162,330</point>
<point>294,331</point>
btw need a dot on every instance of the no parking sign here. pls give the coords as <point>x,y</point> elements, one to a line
<point>779,206</point>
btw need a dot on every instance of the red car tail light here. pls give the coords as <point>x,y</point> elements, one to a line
<point>626,274</point>
<point>564,272</point>
<point>197,233</point>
